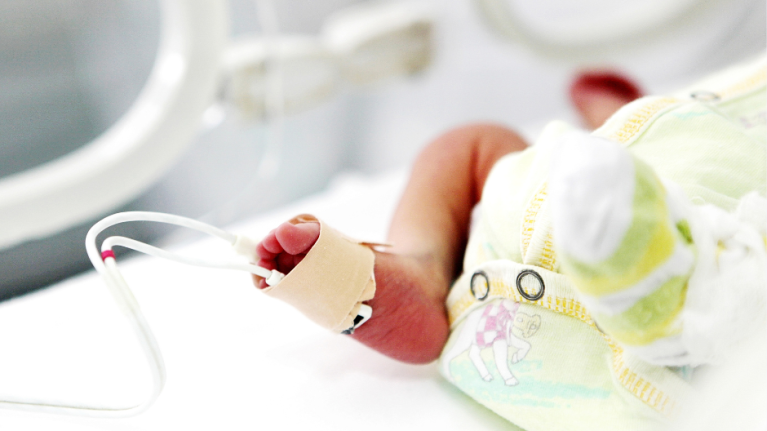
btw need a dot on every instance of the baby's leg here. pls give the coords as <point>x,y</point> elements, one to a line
<point>429,231</point>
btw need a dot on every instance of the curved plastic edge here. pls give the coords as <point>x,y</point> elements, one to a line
<point>120,164</point>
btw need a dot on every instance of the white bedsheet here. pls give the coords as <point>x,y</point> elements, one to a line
<point>235,358</point>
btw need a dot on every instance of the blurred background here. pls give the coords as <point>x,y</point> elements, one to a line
<point>301,93</point>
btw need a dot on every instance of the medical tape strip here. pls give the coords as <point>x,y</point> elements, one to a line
<point>332,281</point>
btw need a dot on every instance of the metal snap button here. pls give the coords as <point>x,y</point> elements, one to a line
<point>480,285</point>
<point>531,293</point>
<point>705,96</point>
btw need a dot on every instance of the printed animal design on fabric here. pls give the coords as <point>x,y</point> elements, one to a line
<point>498,326</point>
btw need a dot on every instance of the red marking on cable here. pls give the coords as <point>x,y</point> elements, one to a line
<point>107,253</point>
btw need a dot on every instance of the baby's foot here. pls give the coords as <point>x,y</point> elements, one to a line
<point>597,95</point>
<point>408,322</point>
<point>284,247</point>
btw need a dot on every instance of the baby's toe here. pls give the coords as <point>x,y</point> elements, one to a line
<point>262,252</point>
<point>285,263</point>
<point>284,248</point>
<point>270,246</point>
<point>269,264</point>
<point>297,238</point>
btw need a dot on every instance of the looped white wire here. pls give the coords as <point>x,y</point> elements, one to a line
<point>114,219</point>
<point>121,241</point>
<point>130,307</point>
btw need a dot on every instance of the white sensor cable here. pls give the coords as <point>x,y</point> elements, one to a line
<point>122,241</point>
<point>106,265</point>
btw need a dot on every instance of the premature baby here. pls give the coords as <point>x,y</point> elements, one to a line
<point>600,269</point>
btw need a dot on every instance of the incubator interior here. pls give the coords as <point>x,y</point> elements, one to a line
<point>290,106</point>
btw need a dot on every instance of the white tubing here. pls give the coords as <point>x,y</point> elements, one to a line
<point>121,241</point>
<point>128,305</point>
<point>151,349</point>
<point>90,238</point>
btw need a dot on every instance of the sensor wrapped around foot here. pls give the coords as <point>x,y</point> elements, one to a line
<point>331,282</point>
